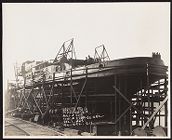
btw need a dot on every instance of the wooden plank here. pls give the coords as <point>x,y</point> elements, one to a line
<point>158,108</point>
<point>118,91</point>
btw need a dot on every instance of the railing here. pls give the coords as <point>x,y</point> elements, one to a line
<point>75,72</point>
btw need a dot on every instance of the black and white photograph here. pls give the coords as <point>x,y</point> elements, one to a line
<point>86,70</point>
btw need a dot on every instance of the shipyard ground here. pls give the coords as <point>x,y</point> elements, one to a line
<point>19,127</point>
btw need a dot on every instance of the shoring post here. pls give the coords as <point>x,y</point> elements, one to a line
<point>51,95</point>
<point>148,94</point>
<point>152,107</point>
<point>129,111</point>
<point>144,111</point>
<point>24,85</point>
<point>44,97</point>
<point>154,113</point>
<point>83,87</point>
<point>40,99</point>
<point>52,86</point>
<point>137,102</point>
<point>24,96</point>
<point>15,104</point>
<point>121,94</point>
<point>71,92</point>
<point>20,100</point>
<point>43,92</point>
<point>130,120</point>
<point>159,112</point>
<point>52,89</point>
<point>111,110</point>
<point>37,105</point>
<point>62,90</point>
<point>125,94</point>
<point>122,114</point>
<point>166,107</point>
<point>141,95</point>
<point>119,108</point>
<point>32,90</point>
<point>115,111</point>
<point>148,90</point>
<point>23,92</point>
<point>86,99</point>
<point>71,82</point>
<point>28,96</point>
<point>131,116</point>
<point>152,101</point>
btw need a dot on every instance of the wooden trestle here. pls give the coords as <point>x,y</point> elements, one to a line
<point>111,98</point>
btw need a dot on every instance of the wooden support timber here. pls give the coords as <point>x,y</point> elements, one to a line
<point>94,98</point>
<point>106,91</point>
<point>153,115</point>
<point>126,99</point>
<point>83,87</point>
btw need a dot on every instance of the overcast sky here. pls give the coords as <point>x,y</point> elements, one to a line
<point>37,31</point>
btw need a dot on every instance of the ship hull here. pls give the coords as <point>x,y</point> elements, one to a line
<point>145,69</point>
<point>104,89</point>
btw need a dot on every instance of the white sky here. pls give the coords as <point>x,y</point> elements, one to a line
<point>37,31</point>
